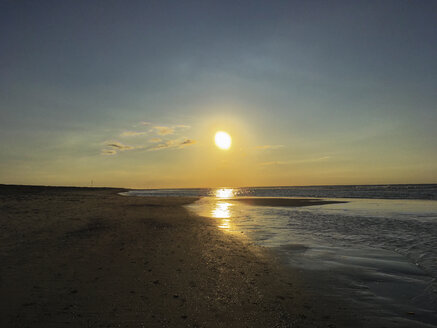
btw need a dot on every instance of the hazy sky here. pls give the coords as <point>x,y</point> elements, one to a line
<point>130,93</point>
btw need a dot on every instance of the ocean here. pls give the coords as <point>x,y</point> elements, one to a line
<point>379,247</point>
<point>404,191</point>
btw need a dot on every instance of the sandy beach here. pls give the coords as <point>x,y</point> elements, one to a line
<point>256,164</point>
<point>80,257</point>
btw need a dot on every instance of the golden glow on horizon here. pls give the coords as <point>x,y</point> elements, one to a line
<point>223,140</point>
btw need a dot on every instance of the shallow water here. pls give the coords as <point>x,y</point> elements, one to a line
<point>382,254</point>
<point>407,227</point>
<point>379,254</point>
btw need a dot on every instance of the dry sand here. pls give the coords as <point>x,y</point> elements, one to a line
<point>81,257</point>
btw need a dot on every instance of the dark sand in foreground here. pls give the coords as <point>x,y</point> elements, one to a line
<point>73,257</point>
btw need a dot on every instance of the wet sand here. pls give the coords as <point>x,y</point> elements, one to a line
<point>284,202</point>
<point>82,257</point>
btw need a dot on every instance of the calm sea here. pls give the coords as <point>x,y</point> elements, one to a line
<point>381,245</point>
<point>411,191</point>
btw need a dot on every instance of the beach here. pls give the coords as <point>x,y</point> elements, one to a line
<point>83,257</point>
<point>256,164</point>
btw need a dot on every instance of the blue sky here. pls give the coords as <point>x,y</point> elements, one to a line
<point>312,92</point>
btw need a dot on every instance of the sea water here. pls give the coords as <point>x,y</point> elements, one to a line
<point>405,191</point>
<point>379,246</point>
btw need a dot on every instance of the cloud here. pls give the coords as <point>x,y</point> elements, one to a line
<point>159,147</point>
<point>112,147</point>
<point>154,143</point>
<point>108,152</point>
<point>163,130</point>
<point>187,142</point>
<point>265,147</point>
<point>132,134</point>
<point>172,144</point>
<point>167,130</point>
<point>158,129</point>
<point>119,146</point>
<point>164,145</point>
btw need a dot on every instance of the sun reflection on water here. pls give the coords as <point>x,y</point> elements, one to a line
<point>224,193</point>
<point>222,211</point>
<point>221,208</point>
<point>225,224</point>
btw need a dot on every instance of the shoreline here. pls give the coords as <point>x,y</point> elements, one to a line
<point>382,287</point>
<point>284,202</point>
<point>89,257</point>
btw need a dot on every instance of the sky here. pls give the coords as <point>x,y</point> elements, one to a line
<point>131,93</point>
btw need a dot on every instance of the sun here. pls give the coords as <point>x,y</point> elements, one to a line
<point>223,140</point>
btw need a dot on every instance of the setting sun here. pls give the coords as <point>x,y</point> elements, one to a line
<point>223,140</point>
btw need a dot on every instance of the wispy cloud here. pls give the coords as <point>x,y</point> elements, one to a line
<point>172,144</point>
<point>163,130</point>
<point>112,147</point>
<point>163,145</point>
<point>187,142</point>
<point>167,130</point>
<point>265,147</point>
<point>154,142</point>
<point>132,134</point>
<point>108,152</point>
<point>119,146</point>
